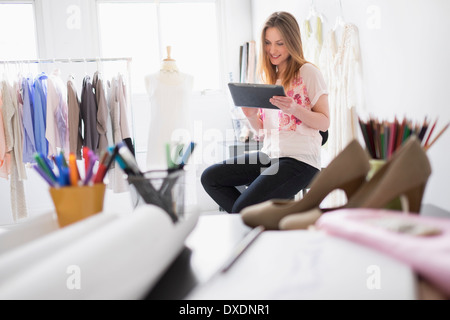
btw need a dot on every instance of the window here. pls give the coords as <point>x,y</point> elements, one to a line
<point>19,42</point>
<point>130,30</point>
<point>142,30</point>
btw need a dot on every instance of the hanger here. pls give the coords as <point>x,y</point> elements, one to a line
<point>6,72</point>
<point>85,67</point>
<point>70,76</point>
<point>99,65</point>
<point>340,22</point>
<point>313,12</point>
<point>56,70</point>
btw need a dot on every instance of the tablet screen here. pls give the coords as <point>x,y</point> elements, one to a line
<point>254,95</point>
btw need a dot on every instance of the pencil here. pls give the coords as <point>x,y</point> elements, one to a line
<point>43,164</point>
<point>246,242</point>
<point>437,137</point>
<point>86,158</point>
<point>429,134</point>
<point>73,169</point>
<point>44,175</point>
<point>102,168</point>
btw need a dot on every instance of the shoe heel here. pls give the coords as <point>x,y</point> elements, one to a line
<point>413,199</point>
<point>352,186</point>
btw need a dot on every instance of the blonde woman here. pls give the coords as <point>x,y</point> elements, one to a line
<point>290,156</point>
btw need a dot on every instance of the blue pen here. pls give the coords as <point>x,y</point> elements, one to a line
<point>187,154</point>
<point>178,153</point>
<point>62,179</point>
<point>66,175</point>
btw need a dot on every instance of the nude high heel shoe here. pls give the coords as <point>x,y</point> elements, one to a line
<point>347,172</point>
<point>404,175</point>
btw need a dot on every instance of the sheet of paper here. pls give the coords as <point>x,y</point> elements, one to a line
<point>309,265</point>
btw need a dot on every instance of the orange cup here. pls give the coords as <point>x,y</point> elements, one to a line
<point>73,204</point>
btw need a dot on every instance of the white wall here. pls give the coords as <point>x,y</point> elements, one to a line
<point>405,50</point>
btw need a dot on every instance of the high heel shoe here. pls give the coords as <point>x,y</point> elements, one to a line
<point>347,172</point>
<point>404,175</point>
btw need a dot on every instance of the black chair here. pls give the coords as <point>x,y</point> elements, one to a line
<point>324,135</point>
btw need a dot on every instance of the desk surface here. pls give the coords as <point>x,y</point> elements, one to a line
<point>215,237</point>
<point>207,248</point>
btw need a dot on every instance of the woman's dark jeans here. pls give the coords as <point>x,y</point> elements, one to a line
<point>266,179</point>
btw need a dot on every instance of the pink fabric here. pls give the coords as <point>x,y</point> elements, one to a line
<point>5,157</point>
<point>429,256</point>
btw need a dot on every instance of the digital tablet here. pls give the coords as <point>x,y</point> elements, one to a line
<point>254,95</point>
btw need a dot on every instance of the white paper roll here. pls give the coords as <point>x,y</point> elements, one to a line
<point>122,260</point>
<point>27,231</point>
<point>15,262</point>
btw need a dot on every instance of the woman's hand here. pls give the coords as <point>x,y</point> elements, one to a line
<point>285,104</point>
<point>317,117</point>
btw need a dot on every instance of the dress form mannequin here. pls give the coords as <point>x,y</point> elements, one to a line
<point>169,91</point>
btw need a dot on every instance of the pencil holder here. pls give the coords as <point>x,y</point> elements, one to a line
<point>162,188</point>
<point>375,165</point>
<point>75,203</point>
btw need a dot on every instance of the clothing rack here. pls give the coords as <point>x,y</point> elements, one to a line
<point>66,60</point>
<point>97,60</point>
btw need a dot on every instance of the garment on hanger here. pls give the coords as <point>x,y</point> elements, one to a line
<point>74,119</point>
<point>102,113</point>
<point>29,144</point>
<point>123,105</point>
<point>13,124</point>
<point>57,127</point>
<point>340,63</point>
<point>5,157</point>
<point>19,121</point>
<point>169,94</point>
<point>40,113</point>
<point>14,145</point>
<point>115,175</point>
<point>312,38</point>
<point>88,111</point>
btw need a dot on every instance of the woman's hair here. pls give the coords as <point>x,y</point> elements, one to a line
<point>288,27</point>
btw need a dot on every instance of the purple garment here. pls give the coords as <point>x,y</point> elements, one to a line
<point>29,146</point>
<point>40,113</point>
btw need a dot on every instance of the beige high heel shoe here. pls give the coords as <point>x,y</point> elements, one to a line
<point>404,175</point>
<point>347,172</point>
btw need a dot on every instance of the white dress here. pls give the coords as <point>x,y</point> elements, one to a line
<point>341,67</point>
<point>12,126</point>
<point>117,106</point>
<point>312,38</point>
<point>169,93</point>
<point>340,64</point>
